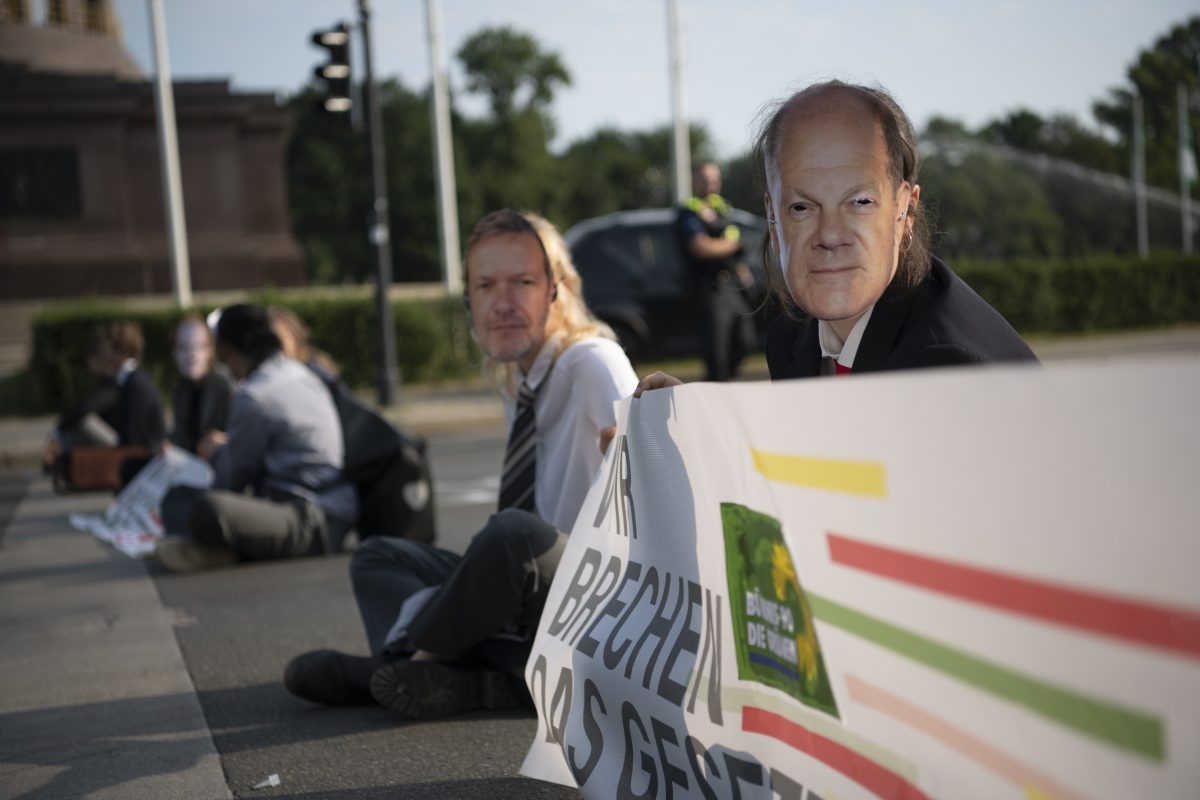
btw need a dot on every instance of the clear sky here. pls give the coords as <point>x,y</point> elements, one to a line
<point>966,60</point>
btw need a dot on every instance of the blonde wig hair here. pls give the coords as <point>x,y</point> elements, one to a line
<point>570,321</point>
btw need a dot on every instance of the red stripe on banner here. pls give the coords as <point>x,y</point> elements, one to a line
<point>878,780</point>
<point>1166,627</point>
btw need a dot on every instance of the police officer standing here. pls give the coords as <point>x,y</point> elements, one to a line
<point>712,251</point>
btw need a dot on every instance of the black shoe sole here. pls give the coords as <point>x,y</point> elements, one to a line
<point>429,690</point>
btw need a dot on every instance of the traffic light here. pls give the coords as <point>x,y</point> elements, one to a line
<point>336,71</point>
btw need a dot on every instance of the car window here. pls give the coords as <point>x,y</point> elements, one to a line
<point>609,262</point>
<point>664,247</point>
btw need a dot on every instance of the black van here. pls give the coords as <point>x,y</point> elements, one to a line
<point>633,278</point>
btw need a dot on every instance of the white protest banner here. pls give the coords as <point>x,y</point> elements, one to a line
<point>961,583</point>
<point>132,522</point>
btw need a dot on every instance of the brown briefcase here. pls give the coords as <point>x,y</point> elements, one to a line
<point>90,469</point>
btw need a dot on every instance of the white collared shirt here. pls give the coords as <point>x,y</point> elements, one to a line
<point>575,403</point>
<point>833,347</point>
<point>125,370</point>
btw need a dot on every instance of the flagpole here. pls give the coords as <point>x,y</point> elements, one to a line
<point>681,147</point>
<point>1187,169</point>
<point>445,185</point>
<point>168,154</point>
<point>1139,177</point>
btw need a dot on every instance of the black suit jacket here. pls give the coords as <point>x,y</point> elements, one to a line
<point>198,407</point>
<point>939,323</point>
<point>139,412</point>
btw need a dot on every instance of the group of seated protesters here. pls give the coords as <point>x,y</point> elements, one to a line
<point>286,472</point>
<point>278,489</point>
<point>848,257</point>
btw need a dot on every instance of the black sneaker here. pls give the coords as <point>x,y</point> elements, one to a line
<point>331,678</point>
<point>429,690</point>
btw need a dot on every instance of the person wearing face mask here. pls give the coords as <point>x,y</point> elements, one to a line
<point>200,397</point>
<point>848,252</point>
<point>450,633</point>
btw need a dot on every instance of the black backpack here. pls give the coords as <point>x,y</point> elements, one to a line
<point>390,470</point>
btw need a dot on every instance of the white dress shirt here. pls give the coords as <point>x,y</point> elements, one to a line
<point>576,402</point>
<point>833,347</point>
<point>125,370</point>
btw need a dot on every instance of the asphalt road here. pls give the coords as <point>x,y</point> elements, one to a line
<point>237,629</point>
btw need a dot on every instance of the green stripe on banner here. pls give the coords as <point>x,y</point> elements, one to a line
<point>1125,728</point>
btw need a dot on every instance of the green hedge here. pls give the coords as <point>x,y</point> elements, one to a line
<point>433,339</point>
<point>433,342</point>
<point>1096,294</point>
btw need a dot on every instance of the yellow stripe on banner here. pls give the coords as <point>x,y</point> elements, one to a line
<point>852,477</point>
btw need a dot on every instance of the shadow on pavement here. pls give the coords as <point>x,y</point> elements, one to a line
<point>13,488</point>
<point>73,574</point>
<point>481,789</point>
<point>165,729</point>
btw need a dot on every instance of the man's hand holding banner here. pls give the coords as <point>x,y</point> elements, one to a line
<point>974,583</point>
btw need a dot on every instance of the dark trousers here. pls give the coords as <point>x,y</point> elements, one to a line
<point>254,527</point>
<point>726,330</point>
<point>497,587</point>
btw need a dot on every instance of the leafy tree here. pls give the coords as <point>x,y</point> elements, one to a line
<point>981,206</point>
<point>503,63</point>
<point>1156,74</point>
<point>411,183</point>
<point>740,184</point>
<point>1060,136</point>
<point>614,170</point>
<point>507,153</point>
<point>328,191</point>
<point>329,187</point>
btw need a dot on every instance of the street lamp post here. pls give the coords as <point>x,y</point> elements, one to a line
<point>379,233</point>
<point>443,149</point>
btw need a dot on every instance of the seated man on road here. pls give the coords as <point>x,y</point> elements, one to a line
<point>284,443</point>
<point>559,371</point>
<point>126,407</point>
<point>851,244</point>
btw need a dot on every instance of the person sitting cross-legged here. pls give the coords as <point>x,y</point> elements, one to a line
<point>279,490</point>
<point>450,633</point>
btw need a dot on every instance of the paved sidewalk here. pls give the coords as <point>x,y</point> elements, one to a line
<point>118,680</point>
<point>95,698</point>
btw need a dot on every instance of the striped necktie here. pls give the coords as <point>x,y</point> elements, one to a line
<point>520,456</point>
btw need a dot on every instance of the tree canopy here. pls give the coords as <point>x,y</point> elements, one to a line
<point>1020,185</point>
